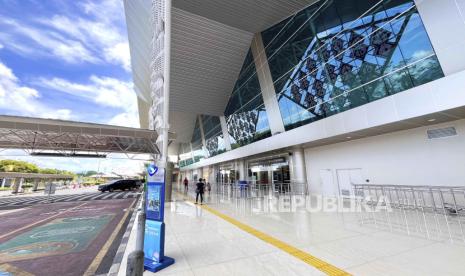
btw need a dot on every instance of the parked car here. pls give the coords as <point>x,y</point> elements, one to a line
<point>122,184</point>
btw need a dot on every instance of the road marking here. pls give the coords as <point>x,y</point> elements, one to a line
<point>110,195</point>
<point>101,254</point>
<point>315,262</point>
<point>14,270</point>
<point>86,197</point>
<point>40,221</point>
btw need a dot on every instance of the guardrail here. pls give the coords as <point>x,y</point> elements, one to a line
<point>437,199</point>
<point>254,190</point>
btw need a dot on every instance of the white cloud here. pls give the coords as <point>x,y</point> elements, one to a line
<point>129,118</point>
<point>1,46</point>
<point>119,54</point>
<point>103,91</point>
<point>99,37</point>
<point>23,100</point>
<point>51,43</point>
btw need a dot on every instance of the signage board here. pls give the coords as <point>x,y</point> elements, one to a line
<point>154,201</point>
<point>154,240</point>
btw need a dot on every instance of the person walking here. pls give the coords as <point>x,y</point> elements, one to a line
<point>186,184</point>
<point>199,191</point>
<point>209,188</point>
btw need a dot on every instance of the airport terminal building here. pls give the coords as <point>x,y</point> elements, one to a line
<point>314,95</point>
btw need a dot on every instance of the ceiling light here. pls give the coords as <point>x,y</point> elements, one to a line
<point>431,120</point>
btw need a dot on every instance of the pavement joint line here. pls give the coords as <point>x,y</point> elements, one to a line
<point>313,261</point>
<point>40,221</point>
<point>103,251</point>
<point>122,247</point>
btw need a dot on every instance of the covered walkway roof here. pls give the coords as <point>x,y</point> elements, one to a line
<point>66,138</point>
<point>9,175</point>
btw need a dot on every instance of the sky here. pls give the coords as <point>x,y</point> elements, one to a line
<point>66,60</point>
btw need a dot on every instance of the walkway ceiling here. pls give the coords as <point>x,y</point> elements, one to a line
<point>210,39</point>
<point>66,138</point>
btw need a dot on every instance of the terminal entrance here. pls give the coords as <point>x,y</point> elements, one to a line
<point>270,175</point>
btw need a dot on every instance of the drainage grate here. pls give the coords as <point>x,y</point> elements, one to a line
<point>441,132</point>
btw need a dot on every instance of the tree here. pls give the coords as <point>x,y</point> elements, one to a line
<point>18,166</point>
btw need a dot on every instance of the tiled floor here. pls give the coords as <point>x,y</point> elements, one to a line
<point>204,244</point>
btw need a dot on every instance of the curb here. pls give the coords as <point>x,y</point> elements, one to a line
<point>124,241</point>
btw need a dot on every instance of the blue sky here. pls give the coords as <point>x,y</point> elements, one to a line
<point>64,59</point>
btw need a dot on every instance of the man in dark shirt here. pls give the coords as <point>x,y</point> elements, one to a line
<point>199,191</point>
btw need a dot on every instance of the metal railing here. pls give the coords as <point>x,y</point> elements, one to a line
<point>254,190</point>
<point>436,199</point>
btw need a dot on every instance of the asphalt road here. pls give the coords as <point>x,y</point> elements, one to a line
<point>63,238</point>
<point>22,201</point>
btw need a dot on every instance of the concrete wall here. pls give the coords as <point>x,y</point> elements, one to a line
<point>444,21</point>
<point>402,158</point>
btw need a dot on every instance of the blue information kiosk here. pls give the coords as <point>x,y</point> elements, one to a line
<point>154,240</point>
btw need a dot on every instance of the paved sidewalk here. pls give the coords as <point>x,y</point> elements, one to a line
<point>206,244</point>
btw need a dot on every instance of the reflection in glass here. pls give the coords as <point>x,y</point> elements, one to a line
<point>213,135</point>
<point>245,113</point>
<point>338,55</point>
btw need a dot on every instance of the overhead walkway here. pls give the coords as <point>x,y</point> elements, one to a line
<point>47,137</point>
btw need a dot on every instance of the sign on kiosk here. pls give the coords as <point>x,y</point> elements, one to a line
<point>154,240</point>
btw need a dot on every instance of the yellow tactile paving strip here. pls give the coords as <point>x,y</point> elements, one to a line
<point>317,263</point>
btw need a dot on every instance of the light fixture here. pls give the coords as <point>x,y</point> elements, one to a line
<point>431,120</point>
<point>348,137</point>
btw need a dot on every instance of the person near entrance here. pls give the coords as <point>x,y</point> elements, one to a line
<point>186,184</point>
<point>209,188</point>
<point>199,191</point>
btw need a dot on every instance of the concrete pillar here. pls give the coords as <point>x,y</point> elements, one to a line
<point>299,169</point>
<point>445,24</point>
<point>168,181</point>
<point>200,173</point>
<point>266,85</point>
<point>36,184</point>
<point>202,131</point>
<point>179,180</point>
<point>224,129</point>
<point>18,186</point>
<point>192,152</point>
<point>240,165</point>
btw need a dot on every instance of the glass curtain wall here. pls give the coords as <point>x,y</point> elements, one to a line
<point>337,55</point>
<point>328,58</point>
<point>214,139</point>
<point>245,113</point>
<point>185,155</point>
<point>198,151</point>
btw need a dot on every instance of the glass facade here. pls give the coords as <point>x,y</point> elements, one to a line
<point>185,155</point>
<point>214,139</point>
<point>198,151</point>
<point>245,113</point>
<point>326,59</point>
<point>333,57</point>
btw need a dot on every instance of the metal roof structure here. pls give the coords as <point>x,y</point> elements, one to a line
<point>50,137</point>
<point>210,39</point>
